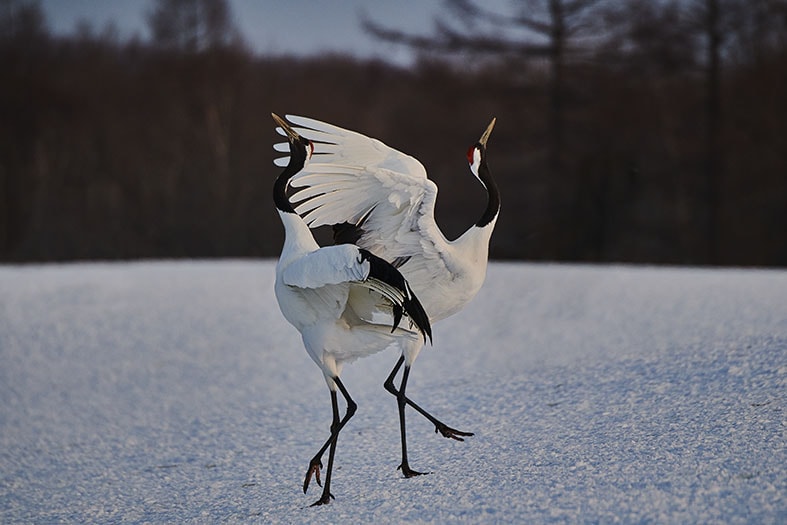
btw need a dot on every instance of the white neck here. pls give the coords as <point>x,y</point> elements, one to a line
<point>298,239</point>
<point>474,243</point>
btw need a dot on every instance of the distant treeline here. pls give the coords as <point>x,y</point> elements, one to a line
<point>113,149</point>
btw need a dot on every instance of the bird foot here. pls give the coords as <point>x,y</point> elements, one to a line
<point>314,470</point>
<point>451,433</point>
<point>410,473</point>
<point>324,499</point>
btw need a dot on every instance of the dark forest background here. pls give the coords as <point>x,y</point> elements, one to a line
<point>632,131</point>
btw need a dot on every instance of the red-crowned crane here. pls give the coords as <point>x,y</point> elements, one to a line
<point>345,301</point>
<point>380,199</point>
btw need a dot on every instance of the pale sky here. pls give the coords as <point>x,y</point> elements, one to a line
<point>300,27</point>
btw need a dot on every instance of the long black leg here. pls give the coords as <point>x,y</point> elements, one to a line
<point>326,490</point>
<point>402,400</point>
<point>336,426</point>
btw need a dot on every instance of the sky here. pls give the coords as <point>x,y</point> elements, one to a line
<point>300,27</point>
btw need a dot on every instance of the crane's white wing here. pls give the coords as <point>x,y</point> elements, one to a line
<point>339,264</point>
<point>329,265</point>
<point>358,180</point>
<point>348,264</point>
<point>340,146</point>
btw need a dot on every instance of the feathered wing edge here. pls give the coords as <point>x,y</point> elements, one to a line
<point>349,148</point>
<point>405,235</point>
<point>353,177</point>
<point>353,180</point>
<point>385,279</point>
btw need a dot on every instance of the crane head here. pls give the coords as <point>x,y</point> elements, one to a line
<point>298,144</point>
<point>475,153</point>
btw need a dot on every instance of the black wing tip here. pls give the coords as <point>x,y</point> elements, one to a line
<point>417,313</point>
<point>381,269</point>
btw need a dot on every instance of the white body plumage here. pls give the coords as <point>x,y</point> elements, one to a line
<point>323,293</point>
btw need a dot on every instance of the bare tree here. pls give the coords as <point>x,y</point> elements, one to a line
<point>759,29</point>
<point>714,21</point>
<point>21,19</point>
<point>647,37</point>
<point>192,25</point>
<point>24,37</point>
<point>541,29</point>
<point>708,14</point>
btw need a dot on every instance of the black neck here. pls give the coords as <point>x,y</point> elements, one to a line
<point>493,194</point>
<point>297,161</point>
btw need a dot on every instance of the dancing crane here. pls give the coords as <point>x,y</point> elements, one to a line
<point>345,301</point>
<point>381,200</point>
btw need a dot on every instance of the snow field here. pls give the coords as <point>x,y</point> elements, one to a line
<point>176,392</point>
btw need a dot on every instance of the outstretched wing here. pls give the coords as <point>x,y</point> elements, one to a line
<point>381,193</point>
<point>346,263</point>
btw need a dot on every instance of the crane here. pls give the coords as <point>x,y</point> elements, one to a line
<point>380,199</point>
<point>345,301</point>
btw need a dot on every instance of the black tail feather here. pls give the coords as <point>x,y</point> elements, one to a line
<point>384,271</point>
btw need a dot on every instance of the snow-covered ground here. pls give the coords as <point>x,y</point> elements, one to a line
<point>176,392</point>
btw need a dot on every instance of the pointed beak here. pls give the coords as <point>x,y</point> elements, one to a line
<point>488,132</point>
<point>291,134</point>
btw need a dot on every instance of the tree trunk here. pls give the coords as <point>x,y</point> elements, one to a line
<point>557,51</point>
<point>713,163</point>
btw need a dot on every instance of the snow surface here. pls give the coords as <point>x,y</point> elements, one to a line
<point>176,392</point>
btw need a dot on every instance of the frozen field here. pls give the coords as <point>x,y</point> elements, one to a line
<point>176,392</point>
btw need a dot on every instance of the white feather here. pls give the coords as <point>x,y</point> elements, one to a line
<point>353,177</point>
<point>328,265</point>
<point>343,310</point>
